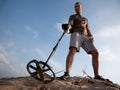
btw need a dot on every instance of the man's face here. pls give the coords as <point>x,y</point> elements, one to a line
<point>78,8</point>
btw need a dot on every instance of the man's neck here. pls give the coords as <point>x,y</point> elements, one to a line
<point>79,14</point>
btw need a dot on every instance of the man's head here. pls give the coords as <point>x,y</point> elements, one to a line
<point>78,7</point>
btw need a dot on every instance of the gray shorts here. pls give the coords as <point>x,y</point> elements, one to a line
<point>78,40</point>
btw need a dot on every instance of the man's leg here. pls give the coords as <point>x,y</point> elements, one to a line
<point>70,58</point>
<point>95,62</point>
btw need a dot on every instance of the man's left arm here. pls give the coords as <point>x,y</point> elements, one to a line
<point>89,33</point>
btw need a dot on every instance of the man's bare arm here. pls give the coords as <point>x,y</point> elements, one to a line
<point>88,31</point>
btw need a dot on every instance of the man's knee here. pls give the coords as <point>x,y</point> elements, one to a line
<point>94,53</point>
<point>72,50</point>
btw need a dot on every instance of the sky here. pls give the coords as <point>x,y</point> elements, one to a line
<point>29,29</point>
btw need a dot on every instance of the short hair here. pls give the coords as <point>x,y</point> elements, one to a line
<point>78,3</point>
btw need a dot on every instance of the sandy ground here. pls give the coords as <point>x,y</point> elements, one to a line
<point>74,83</point>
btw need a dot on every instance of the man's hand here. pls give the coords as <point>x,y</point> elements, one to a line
<point>67,31</point>
<point>66,28</point>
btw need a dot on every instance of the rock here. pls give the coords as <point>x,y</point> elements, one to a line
<point>74,83</point>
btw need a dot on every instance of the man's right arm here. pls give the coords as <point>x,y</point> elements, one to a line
<point>70,22</point>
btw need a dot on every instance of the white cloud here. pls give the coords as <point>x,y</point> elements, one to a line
<point>41,53</point>
<point>109,32</point>
<point>108,42</point>
<point>55,64</point>
<point>28,28</point>
<point>109,54</point>
<point>9,63</point>
<point>3,59</point>
<point>107,39</point>
<point>58,26</point>
<point>3,55</point>
<point>35,33</point>
<point>10,44</point>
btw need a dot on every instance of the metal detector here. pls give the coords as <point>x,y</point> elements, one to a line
<point>41,70</point>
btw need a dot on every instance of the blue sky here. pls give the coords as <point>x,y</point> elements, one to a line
<point>29,29</point>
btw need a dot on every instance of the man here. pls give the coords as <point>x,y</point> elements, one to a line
<point>80,37</point>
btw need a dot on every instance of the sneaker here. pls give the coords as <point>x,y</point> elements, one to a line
<point>66,76</point>
<point>101,78</point>
<point>98,77</point>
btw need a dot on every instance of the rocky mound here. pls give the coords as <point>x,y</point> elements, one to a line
<point>74,83</point>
